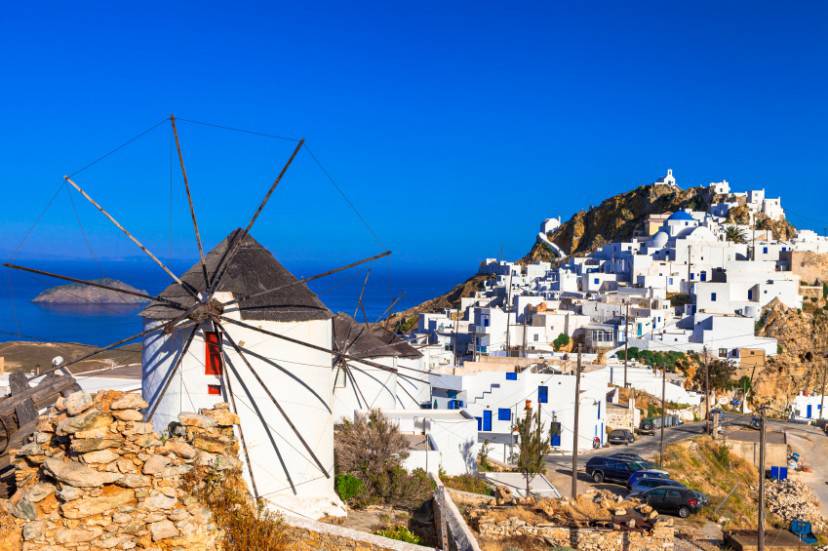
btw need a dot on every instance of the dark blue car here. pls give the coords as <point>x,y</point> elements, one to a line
<point>613,469</point>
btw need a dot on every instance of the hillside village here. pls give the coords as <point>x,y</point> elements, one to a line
<point>705,299</point>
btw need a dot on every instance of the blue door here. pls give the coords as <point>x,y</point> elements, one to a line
<point>556,439</point>
<point>479,423</point>
<point>809,413</point>
<point>487,420</point>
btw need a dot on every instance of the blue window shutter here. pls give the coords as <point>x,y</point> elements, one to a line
<point>511,376</point>
<point>459,404</point>
<point>713,297</point>
<point>765,250</point>
<point>504,414</point>
<point>479,423</point>
<point>543,395</point>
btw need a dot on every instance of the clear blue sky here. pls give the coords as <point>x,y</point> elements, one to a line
<point>455,128</point>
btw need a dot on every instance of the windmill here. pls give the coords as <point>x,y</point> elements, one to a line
<point>361,387</point>
<point>238,327</point>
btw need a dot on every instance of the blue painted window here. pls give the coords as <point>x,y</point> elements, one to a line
<point>504,414</point>
<point>543,394</point>
<point>639,329</point>
<point>765,250</point>
<point>703,276</point>
<point>485,322</point>
<point>459,404</point>
<point>750,294</point>
<point>595,281</point>
<point>487,420</point>
<point>671,281</point>
<point>511,376</point>
<point>692,276</point>
<point>451,393</point>
<point>452,404</point>
<point>712,297</point>
<point>479,423</point>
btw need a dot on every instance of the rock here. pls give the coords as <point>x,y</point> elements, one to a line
<point>40,491</point>
<point>33,530</point>
<point>134,428</point>
<point>195,420</point>
<point>134,481</point>
<point>155,464</point>
<point>23,509</point>
<point>111,499</point>
<point>68,493</point>
<point>162,530</point>
<point>100,433</point>
<point>78,475</point>
<point>100,456</point>
<point>222,416</point>
<point>78,535</point>
<point>157,500</point>
<point>92,444</point>
<point>129,400</point>
<point>78,402</point>
<point>89,419</point>
<point>181,449</point>
<point>128,415</point>
<point>209,445</point>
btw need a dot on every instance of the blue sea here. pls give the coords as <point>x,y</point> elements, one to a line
<point>21,319</point>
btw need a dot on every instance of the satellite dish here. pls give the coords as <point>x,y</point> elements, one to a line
<point>57,361</point>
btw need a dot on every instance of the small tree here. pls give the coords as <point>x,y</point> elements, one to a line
<point>534,445</point>
<point>560,341</point>
<point>483,457</point>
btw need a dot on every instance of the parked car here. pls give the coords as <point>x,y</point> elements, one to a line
<point>647,427</point>
<point>621,436</point>
<point>614,469</point>
<point>647,473</point>
<point>669,499</point>
<point>644,485</point>
<point>629,456</point>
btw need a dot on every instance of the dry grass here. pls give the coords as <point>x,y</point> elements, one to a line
<point>730,482</point>
<point>245,525</point>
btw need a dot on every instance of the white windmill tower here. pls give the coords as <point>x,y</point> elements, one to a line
<point>238,327</point>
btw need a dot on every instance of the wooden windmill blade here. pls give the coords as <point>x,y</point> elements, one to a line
<point>264,423</point>
<point>222,268</point>
<point>307,279</point>
<point>275,402</point>
<point>319,348</point>
<point>360,305</point>
<point>190,202</point>
<point>131,237</point>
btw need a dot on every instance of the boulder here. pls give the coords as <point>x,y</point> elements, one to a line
<point>78,475</point>
<point>129,400</point>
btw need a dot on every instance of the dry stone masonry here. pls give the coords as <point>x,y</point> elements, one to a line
<point>96,477</point>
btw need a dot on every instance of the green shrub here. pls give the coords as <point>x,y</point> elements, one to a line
<point>722,456</point>
<point>560,341</point>
<point>468,483</point>
<point>349,487</point>
<point>400,533</point>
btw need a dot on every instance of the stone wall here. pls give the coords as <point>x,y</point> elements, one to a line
<point>810,267</point>
<point>661,537</point>
<point>95,476</point>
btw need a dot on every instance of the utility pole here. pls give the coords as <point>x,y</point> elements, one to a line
<point>663,415</point>
<point>626,340</point>
<point>575,428</point>
<point>706,393</point>
<point>762,439</point>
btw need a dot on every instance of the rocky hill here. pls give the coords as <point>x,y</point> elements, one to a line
<point>618,218</point>
<point>74,293</point>
<point>803,341</point>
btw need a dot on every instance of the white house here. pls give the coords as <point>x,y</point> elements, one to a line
<point>195,365</point>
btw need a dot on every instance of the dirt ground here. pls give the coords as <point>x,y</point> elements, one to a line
<point>375,518</point>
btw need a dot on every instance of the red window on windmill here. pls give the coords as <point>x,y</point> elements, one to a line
<point>212,354</point>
